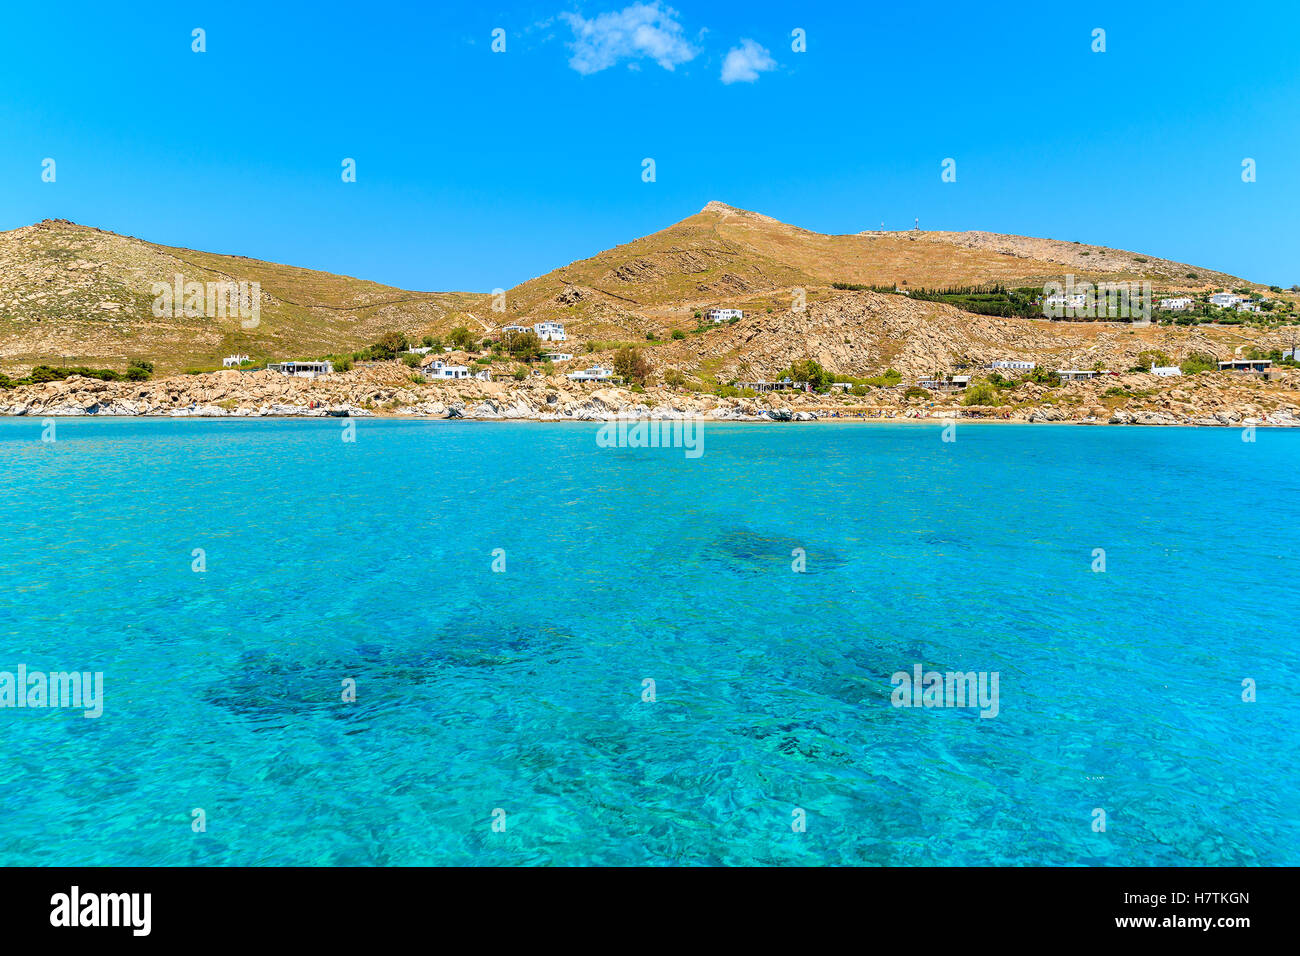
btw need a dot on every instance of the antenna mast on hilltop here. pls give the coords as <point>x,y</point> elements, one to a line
<point>918,224</point>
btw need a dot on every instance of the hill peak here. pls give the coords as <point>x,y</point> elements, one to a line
<point>724,209</point>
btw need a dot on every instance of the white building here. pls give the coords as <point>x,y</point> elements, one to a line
<point>302,369</point>
<point>1014,366</point>
<point>1059,300</point>
<point>1076,374</point>
<point>723,315</point>
<point>550,331</point>
<point>1248,305</point>
<point>597,373</point>
<point>233,361</point>
<point>781,386</point>
<point>557,356</point>
<point>1165,371</point>
<point>945,382</point>
<point>1226,300</point>
<point>439,369</point>
<point>1245,365</point>
<point>419,350</point>
<point>1181,304</point>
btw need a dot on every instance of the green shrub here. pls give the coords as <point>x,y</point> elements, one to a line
<point>888,379</point>
<point>630,365</point>
<point>1042,376</point>
<point>806,370</point>
<point>460,338</point>
<point>980,393</point>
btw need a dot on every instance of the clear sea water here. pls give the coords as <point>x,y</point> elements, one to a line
<point>522,690</point>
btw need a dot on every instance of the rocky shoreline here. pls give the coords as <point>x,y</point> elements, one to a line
<point>389,390</point>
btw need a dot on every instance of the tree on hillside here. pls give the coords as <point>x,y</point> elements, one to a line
<point>1199,362</point>
<point>631,365</point>
<point>389,344</point>
<point>460,338</point>
<point>806,370</point>
<point>525,346</point>
<point>1148,357</point>
<point>981,393</point>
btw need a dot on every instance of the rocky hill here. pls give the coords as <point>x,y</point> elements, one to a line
<point>728,257</point>
<point>75,295</point>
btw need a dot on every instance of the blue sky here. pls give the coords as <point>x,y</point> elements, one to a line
<point>478,169</point>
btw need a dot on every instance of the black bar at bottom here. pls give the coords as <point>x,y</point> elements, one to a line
<point>335,906</point>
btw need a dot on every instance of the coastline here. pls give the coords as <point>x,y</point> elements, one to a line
<point>1215,400</point>
<point>759,421</point>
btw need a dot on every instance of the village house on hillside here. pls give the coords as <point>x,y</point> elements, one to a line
<point>945,383</point>
<point>1255,366</point>
<point>302,369</point>
<point>1224,299</point>
<point>597,373</point>
<point>764,386</point>
<point>438,369</point>
<point>1180,304</point>
<point>723,315</point>
<point>550,332</point>
<point>1059,300</point>
<point>234,361</point>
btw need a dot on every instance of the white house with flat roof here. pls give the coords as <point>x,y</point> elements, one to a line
<point>723,315</point>
<point>234,361</point>
<point>550,331</point>
<point>1226,300</point>
<point>945,382</point>
<point>1077,374</point>
<point>302,369</point>
<point>597,373</point>
<point>1015,366</point>
<point>557,356</point>
<point>1180,304</point>
<point>1060,300</point>
<point>764,386</point>
<point>1245,365</point>
<point>438,369</point>
<point>1165,371</point>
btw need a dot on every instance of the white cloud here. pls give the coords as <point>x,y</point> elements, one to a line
<point>745,62</point>
<point>641,30</point>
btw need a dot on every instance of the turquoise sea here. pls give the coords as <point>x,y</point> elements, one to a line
<point>522,690</point>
